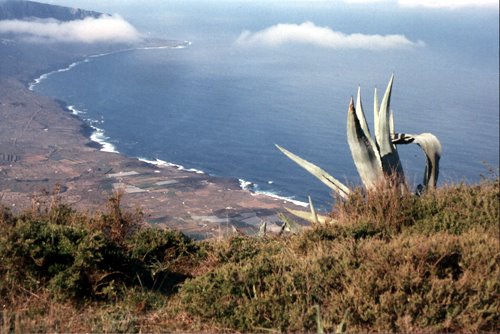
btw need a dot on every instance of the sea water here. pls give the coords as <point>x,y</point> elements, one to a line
<point>217,107</point>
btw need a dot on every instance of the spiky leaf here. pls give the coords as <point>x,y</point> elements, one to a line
<point>375,115</point>
<point>313,211</point>
<point>362,121</point>
<point>308,216</point>
<point>262,229</point>
<point>323,176</point>
<point>365,158</point>
<point>289,225</point>
<point>383,121</point>
<point>391,123</point>
<point>361,114</point>
<point>319,322</point>
<point>388,152</point>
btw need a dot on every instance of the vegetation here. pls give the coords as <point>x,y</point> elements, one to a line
<point>393,262</point>
<point>376,159</point>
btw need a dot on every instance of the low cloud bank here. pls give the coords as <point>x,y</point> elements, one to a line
<point>451,4</point>
<point>106,28</point>
<point>309,33</point>
<point>436,4</point>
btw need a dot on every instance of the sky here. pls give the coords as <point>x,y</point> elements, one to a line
<point>434,4</point>
<point>114,28</point>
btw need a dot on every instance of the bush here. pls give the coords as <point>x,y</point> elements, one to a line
<point>73,259</point>
<point>394,262</point>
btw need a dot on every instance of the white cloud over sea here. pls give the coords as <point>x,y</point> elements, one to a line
<point>309,33</point>
<point>435,4</point>
<point>106,28</point>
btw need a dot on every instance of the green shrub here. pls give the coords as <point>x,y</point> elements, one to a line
<point>74,260</point>
<point>393,263</point>
<point>408,283</point>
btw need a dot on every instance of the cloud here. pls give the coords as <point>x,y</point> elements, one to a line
<point>309,33</point>
<point>106,28</point>
<point>448,4</point>
<point>436,4</point>
<point>364,1</point>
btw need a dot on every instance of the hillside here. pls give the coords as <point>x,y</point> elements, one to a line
<point>18,10</point>
<point>46,150</point>
<point>392,263</point>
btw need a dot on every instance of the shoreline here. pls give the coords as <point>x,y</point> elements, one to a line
<point>55,156</point>
<point>93,133</point>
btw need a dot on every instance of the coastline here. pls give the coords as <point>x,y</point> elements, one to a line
<point>55,157</point>
<point>98,139</point>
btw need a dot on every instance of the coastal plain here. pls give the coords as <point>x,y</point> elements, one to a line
<point>46,154</point>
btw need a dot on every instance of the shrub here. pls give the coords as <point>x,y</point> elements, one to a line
<point>394,262</point>
<point>73,259</point>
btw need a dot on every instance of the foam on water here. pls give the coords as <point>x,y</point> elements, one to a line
<point>158,162</point>
<point>245,185</point>
<point>282,198</point>
<point>44,76</point>
<point>75,111</point>
<point>99,137</point>
<point>254,188</point>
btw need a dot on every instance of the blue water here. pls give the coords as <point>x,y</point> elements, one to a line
<point>220,108</point>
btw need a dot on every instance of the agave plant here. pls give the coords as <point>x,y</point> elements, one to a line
<point>376,159</point>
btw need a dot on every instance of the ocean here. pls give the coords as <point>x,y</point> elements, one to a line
<point>219,106</point>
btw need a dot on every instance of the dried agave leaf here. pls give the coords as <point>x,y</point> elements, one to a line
<point>432,149</point>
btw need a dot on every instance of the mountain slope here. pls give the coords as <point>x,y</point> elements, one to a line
<point>17,10</point>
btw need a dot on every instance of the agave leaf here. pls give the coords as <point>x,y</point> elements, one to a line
<point>323,176</point>
<point>391,123</point>
<point>319,322</point>
<point>313,211</point>
<point>432,149</point>
<point>375,115</point>
<point>306,215</point>
<point>361,115</point>
<point>362,121</point>
<point>236,231</point>
<point>342,327</point>
<point>365,158</point>
<point>289,225</point>
<point>388,152</point>
<point>262,229</point>
<point>384,135</point>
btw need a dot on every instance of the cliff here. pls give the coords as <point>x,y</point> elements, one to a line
<point>18,10</point>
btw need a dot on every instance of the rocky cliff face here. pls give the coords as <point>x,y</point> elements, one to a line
<point>12,10</point>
